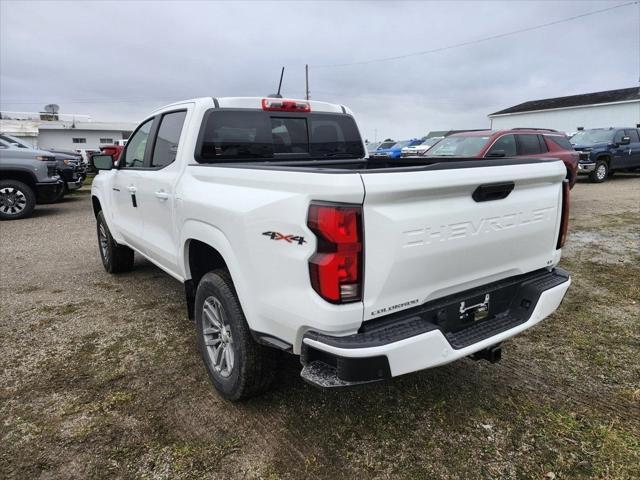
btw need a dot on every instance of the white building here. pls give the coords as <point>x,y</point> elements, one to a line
<point>64,134</point>
<point>611,108</point>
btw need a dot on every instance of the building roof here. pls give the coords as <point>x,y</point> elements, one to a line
<point>608,96</point>
<point>102,126</point>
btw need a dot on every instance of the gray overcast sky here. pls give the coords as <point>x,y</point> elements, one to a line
<point>118,61</point>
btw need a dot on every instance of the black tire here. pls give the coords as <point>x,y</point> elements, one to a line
<point>253,366</point>
<point>115,258</point>
<point>600,172</point>
<point>17,200</point>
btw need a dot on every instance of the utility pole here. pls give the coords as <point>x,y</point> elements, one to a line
<point>306,76</point>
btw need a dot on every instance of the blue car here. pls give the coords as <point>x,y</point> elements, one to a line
<point>395,150</point>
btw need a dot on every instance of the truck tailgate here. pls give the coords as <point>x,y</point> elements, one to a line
<point>427,237</point>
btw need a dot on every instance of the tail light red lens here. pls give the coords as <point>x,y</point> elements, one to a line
<point>284,105</point>
<point>564,220</point>
<point>336,267</point>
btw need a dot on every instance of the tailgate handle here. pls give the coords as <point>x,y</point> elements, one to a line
<point>492,191</point>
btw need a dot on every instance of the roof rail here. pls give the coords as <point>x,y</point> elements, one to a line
<point>543,129</point>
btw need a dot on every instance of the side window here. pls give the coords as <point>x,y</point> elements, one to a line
<point>633,135</point>
<point>528,145</point>
<point>560,141</point>
<point>136,146</point>
<point>507,144</point>
<point>618,136</point>
<point>166,146</point>
<point>543,145</point>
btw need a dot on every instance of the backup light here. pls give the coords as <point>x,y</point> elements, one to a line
<point>285,105</point>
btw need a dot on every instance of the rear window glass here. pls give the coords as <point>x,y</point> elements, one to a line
<point>255,135</point>
<point>458,146</point>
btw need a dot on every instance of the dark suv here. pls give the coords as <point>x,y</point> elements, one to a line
<point>516,142</point>
<point>604,151</point>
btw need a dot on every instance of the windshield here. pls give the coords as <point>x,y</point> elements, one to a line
<point>13,141</point>
<point>589,137</point>
<point>386,145</point>
<point>402,144</point>
<point>431,141</point>
<point>458,147</point>
<point>255,134</point>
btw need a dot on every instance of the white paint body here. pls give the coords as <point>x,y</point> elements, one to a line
<point>424,236</point>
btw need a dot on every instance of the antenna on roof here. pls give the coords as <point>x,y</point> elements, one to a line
<point>277,95</point>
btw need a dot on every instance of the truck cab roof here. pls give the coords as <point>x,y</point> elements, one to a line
<point>257,103</point>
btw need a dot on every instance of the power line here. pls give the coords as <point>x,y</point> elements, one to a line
<point>480,40</point>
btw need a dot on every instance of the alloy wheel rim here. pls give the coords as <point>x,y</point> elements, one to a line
<point>12,200</point>
<point>218,340</point>
<point>601,172</point>
<point>104,242</point>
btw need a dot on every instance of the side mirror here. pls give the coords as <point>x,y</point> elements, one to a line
<point>102,162</point>
<point>497,153</point>
<point>625,141</point>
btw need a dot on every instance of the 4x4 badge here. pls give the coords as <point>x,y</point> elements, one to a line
<point>287,238</point>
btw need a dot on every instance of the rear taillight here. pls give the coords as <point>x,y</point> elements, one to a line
<point>284,105</point>
<point>564,219</point>
<point>336,267</point>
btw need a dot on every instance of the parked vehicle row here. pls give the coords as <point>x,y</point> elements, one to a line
<point>516,142</point>
<point>287,238</point>
<point>29,176</point>
<point>604,151</point>
<point>597,152</point>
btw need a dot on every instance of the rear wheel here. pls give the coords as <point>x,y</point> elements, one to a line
<point>115,258</point>
<point>237,366</point>
<point>17,200</point>
<point>600,173</point>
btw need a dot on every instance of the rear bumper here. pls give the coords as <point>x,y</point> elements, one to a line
<point>414,340</point>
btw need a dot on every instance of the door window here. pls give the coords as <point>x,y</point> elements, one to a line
<point>618,136</point>
<point>166,145</point>
<point>136,146</point>
<point>529,145</point>
<point>633,135</point>
<point>506,143</point>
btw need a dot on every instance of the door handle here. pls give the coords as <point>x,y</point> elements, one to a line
<point>492,191</point>
<point>162,195</point>
<point>131,189</point>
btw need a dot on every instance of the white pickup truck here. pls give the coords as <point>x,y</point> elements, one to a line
<point>287,238</point>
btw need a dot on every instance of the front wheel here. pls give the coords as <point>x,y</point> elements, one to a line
<point>17,200</point>
<point>115,258</point>
<point>237,366</point>
<point>600,173</point>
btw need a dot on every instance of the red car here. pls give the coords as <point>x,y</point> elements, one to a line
<point>529,142</point>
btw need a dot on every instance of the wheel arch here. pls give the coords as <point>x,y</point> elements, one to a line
<point>21,176</point>
<point>96,205</point>
<point>206,248</point>
<point>605,157</point>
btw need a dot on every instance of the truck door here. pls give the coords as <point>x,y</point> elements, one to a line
<point>620,154</point>
<point>127,217</point>
<point>156,191</point>
<point>634,147</point>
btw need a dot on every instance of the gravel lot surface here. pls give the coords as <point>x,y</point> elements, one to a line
<point>100,377</point>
